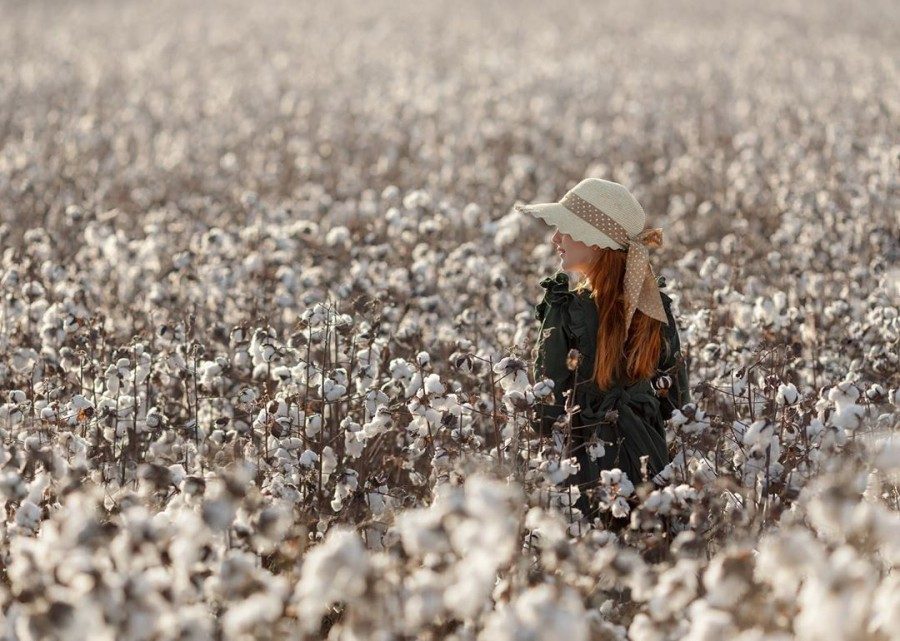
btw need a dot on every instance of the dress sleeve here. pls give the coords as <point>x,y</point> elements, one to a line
<point>672,364</point>
<point>552,348</point>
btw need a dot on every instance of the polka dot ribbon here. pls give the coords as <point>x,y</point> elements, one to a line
<point>641,291</point>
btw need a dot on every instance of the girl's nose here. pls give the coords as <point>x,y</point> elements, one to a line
<point>556,237</point>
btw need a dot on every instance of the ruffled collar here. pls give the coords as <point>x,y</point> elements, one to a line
<point>557,291</point>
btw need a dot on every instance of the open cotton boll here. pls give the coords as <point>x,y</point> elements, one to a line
<point>425,601</point>
<point>541,613</point>
<point>308,458</point>
<point>331,391</point>
<point>381,422</point>
<point>313,425</point>
<point>338,237</point>
<point>433,385</point>
<point>556,471</point>
<point>27,517</point>
<point>355,442</point>
<point>847,415</point>
<point>508,229</point>
<point>400,370</point>
<point>787,394</point>
<point>728,578</point>
<point>512,374</point>
<point>885,617</point>
<point>836,598</point>
<point>543,388</point>
<point>709,623</point>
<point>329,462</point>
<point>334,570</point>
<point>473,580</point>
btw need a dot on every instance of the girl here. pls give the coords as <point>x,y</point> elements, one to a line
<point>628,374</point>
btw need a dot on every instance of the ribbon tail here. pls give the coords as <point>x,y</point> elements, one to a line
<point>637,267</point>
<point>651,302</point>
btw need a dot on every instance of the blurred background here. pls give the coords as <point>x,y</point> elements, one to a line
<point>721,117</point>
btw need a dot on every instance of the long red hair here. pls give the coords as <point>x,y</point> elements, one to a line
<point>619,359</point>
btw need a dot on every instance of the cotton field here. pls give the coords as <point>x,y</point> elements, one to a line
<point>268,311</point>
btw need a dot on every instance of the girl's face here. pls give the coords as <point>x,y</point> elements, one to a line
<point>574,255</point>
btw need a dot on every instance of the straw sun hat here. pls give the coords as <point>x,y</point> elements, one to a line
<point>604,214</point>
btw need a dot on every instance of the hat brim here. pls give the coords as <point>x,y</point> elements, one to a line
<point>556,215</point>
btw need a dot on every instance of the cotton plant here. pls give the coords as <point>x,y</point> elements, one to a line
<point>357,248</point>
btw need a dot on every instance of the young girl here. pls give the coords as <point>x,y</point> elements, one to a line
<point>628,374</point>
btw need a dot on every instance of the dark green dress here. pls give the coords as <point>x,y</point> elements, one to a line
<point>569,320</point>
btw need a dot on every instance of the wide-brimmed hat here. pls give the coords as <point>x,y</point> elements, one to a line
<point>605,214</point>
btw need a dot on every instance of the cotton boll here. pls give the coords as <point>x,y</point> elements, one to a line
<point>334,570</point>
<point>875,393</point>
<point>894,397</point>
<point>618,481</point>
<point>471,215</point>
<point>886,608</point>
<point>308,459</point>
<point>154,418</point>
<point>508,229</point>
<point>400,370</point>
<point>541,613</point>
<point>516,401</point>
<point>709,623</point>
<point>329,462</point>
<point>546,528</point>
<point>421,533</point>
<point>787,394</point>
<point>543,388</point>
<point>27,517</point>
<point>835,600</point>
<point>676,588</point>
<point>188,623</point>
<point>784,560</point>
<point>414,385</point>
<point>416,199</point>
<point>332,391</point>
<point>512,374</point>
<point>12,486</point>
<point>374,400</point>
<point>887,458</point>
<point>847,415</point>
<point>472,584</point>
<point>433,385</point>
<point>380,423</point>
<point>643,628</point>
<point>758,436</point>
<point>313,425</point>
<point>355,439</point>
<point>555,471</point>
<point>218,514</point>
<point>11,415</point>
<point>728,578</point>
<point>425,602</point>
<point>844,393</point>
<point>814,429</point>
<point>177,473</point>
